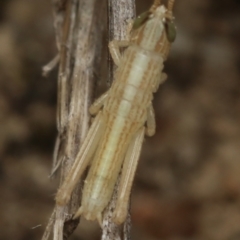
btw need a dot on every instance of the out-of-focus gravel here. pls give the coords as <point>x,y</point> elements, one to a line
<point>187,186</point>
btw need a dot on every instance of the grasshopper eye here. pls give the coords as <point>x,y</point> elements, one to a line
<point>141,19</point>
<point>170,30</point>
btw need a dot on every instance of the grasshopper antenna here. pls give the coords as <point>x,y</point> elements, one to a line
<point>156,3</point>
<point>170,5</point>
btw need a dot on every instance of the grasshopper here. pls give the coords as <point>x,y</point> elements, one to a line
<point>124,114</point>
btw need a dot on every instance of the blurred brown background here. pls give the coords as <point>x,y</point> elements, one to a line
<point>188,182</point>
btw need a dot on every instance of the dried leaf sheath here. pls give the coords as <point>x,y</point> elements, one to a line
<point>76,31</point>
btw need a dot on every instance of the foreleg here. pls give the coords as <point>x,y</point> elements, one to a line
<point>114,48</point>
<point>127,176</point>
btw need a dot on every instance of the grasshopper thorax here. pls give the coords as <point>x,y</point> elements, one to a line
<point>154,31</point>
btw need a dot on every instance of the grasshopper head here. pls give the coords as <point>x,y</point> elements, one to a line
<point>154,30</point>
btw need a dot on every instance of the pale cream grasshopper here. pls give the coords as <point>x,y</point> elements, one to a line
<point>124,114</point>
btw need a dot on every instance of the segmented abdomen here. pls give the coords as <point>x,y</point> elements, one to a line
<point>125,111</point>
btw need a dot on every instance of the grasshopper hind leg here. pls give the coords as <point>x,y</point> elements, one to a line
<point>82,160</point>
<point>127,176</point>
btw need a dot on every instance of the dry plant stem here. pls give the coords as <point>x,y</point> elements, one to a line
<point>65,28</point>
<point>76,34</point>
<point>50,66</point>
<point>127,225</point>
<point>66,55</point>
<point>119,13</point>
<point>48,229</point>
<point>111,231</point>
<point>78,116</point>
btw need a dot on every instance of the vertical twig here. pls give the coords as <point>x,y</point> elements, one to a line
<point>78,36</point>
<point>119,12</point>
<point>78,41</point>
